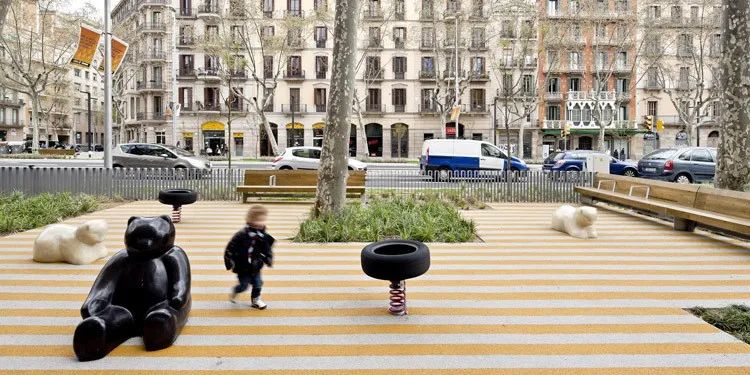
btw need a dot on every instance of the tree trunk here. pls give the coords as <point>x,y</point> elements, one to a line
<point>266,125</point>
<point>363,151</point>
<point>733,169</point>
<point>602,144</point>
<point>35,123</point>
<point>520,139</point>
<point>331,195</point>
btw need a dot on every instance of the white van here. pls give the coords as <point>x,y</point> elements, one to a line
<point>443,157</point>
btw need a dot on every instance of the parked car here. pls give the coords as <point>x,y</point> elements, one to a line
<point>573,161</point>
<point>308,158</point>
<point>683,165</point>
<point>145,155</point>
<point>445,157</point>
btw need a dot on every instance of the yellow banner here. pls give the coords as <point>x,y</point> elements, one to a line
<point>119,49</point>
<point>88,42</point>
<point>238,135</point>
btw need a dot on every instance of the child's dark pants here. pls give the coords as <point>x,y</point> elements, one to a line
<point>247,279</point>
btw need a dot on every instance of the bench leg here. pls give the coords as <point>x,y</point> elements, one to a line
<point>684,225</point>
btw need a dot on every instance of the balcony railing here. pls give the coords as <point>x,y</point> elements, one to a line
<point>208,72</point>
<point>592,95</point>
<point>186,12</point>
<point>478,45</point>
<point>240,73</point>
<point>553,96</point>
<point>428,109</point>
<point>477,13</point>
<point>373,108</point>
<point>452,73</point>
<point>208,9</point>
<point>186,40</point>
<point>320,108</point>
<point>293,13</point>
<point>296,108</point>
<point>320,43</point>
<point>552,124</point>
<point>450,43</point>
<point>399,75</point>
<point>11,102</point>
<point>320,75</point>
<point>399,108</point>
<point>294,74</point>
<point>427,74</point>
<point>186,72</point>
<point>374,13</point>
<point>426,45</point>
<point>154,85</point>
<point>154,26</point>
<point>150,116</point>
<point>426,14</point>
<point>156,55</point>
<point>479,75</point>
<point>373,74</point>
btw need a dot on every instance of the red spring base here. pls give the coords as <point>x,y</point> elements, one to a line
<point>398,298</point>
<point>176,214</point>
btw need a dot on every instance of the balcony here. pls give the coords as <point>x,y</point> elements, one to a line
<point>373,108</point>
<point>552,124</point>
<point>150,86</point>
<point>478,45</point>
<point>186,13</point>
<point>208,74</point>
<point>320,108</point>
<point>477,14</point>
<point>185,41</point>
<point>623,69</point>
<point>477,108</point>
<point>399,75</point>
<point>186,72</point>
<point>237,11</point>
<point>268,14</point>
<point>479,76</point>
<point>293,13</point>
<point>452,43</point>
<point>154,2</point>
<point>153,27</point>
<point>426,14</point>
<point>554,96</point>
<point>623,96</point>
<point>653,85</point>
<point>427,45</point>
<point>450,74</point>
<point>428,109</point>
<point>399,108</point>
<point>427,75</point>
<point>239,73</point>
<point>374,44</point>
<point>294,75</point>
<point>592,96</point>
<point>209,12</point>
<point>320,74</point>
<point>373,14</point>
<point>150,116</point>
<point>7,123</point>
<point>11,102</point>
<point>399,44</point>
<point>373,74</point>
<point>624,124</point>
<point>452,7</point>
<point>294,108</point>
<point>155,56</point>
<point>212,106</point>
<point>320,43</point>
<point>399,15</point>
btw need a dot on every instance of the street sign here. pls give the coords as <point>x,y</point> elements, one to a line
<point>659,125</point>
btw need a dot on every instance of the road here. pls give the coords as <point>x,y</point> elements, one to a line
<point>98,163</point>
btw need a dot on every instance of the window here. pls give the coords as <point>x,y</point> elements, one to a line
<point>685,45</point>
<point>652,77</point>
<point>399,37</point>
<point>477,66</point>
<point>528,84</point>
<point>553,85</point>
<point>372,68</point>
<point>428,67</point>
<point>294,7</point>
<point>426,103</point>
<point>321,35</point>
<point>185,95</point>
<point>654,11</point>
<point>320,5</point>
<point>553,112</point>
<point>478,103</point>
<point>702,155</point>
<point>399,99</point>
<point>676,13</point>
<point>428,37</point>
<point>477,37</point>
<point>684,82</point>
<point>294,99</point>
<point>374,37</point>
<point>574,84</point>
<point>399,9</point>
<point>622,85</point>
<point>294,37</point>
<point>161,139</point>
<point>373,100</point>
<point>294,66</point>
<point>715,48</point>
<point>321,67</point>
<point>399,67</point>
<point>267,31</point>
<point>490,150</point>
<point>320,99</point>
<point>211,98</point>
<point>575,61</point>
<point>77,72</point>
<point>694,14</point>
<point>653,108</point>
<point>268,67</point>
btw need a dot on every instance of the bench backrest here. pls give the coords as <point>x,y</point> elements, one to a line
<point>727,202</point>
<point>295,178</point>
<point>667,191</point>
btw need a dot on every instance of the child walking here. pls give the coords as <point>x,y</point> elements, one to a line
<point>246,254</point>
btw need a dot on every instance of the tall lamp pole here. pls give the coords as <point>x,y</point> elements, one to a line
<point>89,134</point>
<point>107,85</point>
<point>455,63</point>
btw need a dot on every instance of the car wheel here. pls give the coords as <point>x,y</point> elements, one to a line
<point>683,178</point>
<point>630,173</point>
<point>395,260</point>
<point>350,168</point>
<point>116,166</point>
<point>285,168</point>
<point>178,197</point>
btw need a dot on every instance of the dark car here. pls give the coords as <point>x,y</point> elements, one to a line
<point>573,161</point>
<point>683,165</point>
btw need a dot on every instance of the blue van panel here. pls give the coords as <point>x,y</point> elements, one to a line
<point>456,163</point>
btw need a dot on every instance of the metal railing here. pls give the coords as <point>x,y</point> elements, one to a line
<point>220,184</point>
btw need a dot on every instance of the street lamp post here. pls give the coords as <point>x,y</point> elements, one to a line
<point>494,120</point>
<point>89,133</point>
<point>107,85</point>
<point>455,63</point>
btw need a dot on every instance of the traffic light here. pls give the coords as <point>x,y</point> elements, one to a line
<point>566,131</point>
<point>649,123</point>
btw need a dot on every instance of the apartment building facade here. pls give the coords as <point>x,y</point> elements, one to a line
<point>407,62</point>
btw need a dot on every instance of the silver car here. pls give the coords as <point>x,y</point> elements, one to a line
<point>147,155</point>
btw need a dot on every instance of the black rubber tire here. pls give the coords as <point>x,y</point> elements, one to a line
<point>633,172</point>
<point>178,197</point>
<point>395,260</point>
<point>286,168</point>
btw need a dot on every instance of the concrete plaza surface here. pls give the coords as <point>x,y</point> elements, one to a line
<point>526,300</point>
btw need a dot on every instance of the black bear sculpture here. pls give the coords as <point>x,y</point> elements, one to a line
<point>143,290</point>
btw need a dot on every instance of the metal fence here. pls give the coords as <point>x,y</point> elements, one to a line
<point>220,184</point>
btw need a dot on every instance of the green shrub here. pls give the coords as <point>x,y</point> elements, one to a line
<point>20,212</point>
<point>428,219</point>
<point>734,319</point>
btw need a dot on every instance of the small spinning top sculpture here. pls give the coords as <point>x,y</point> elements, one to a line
<point>396,261</point>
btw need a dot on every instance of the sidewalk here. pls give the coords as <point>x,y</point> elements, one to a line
<point>528,300</point>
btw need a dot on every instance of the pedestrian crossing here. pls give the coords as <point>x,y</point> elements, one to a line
<point>522,300</point>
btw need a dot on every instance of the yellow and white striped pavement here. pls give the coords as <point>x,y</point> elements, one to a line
<point>527,300</point>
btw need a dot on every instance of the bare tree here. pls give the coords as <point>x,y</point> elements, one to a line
<point>331,193</point>
<point>4,6</point>
<point>55,107</point>
<point>37,46</point>
<point>733,169</point>
<point>682,58</point>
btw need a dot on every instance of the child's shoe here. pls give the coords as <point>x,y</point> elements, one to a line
<point>233,297</point>
<point>259,304</point>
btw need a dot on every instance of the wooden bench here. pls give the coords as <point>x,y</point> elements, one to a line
<point>688,205</point>
<point>56,151</point>
<point>289,183</point>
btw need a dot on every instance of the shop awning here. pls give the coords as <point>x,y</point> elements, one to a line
<point>212,126</point>
<point>187,134</point>
<point>238,135</point>
<point>295,125</point>
<point>319,125</point>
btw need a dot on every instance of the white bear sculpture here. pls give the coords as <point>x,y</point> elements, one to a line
<point>81,244</point>
<point>577,222</point>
